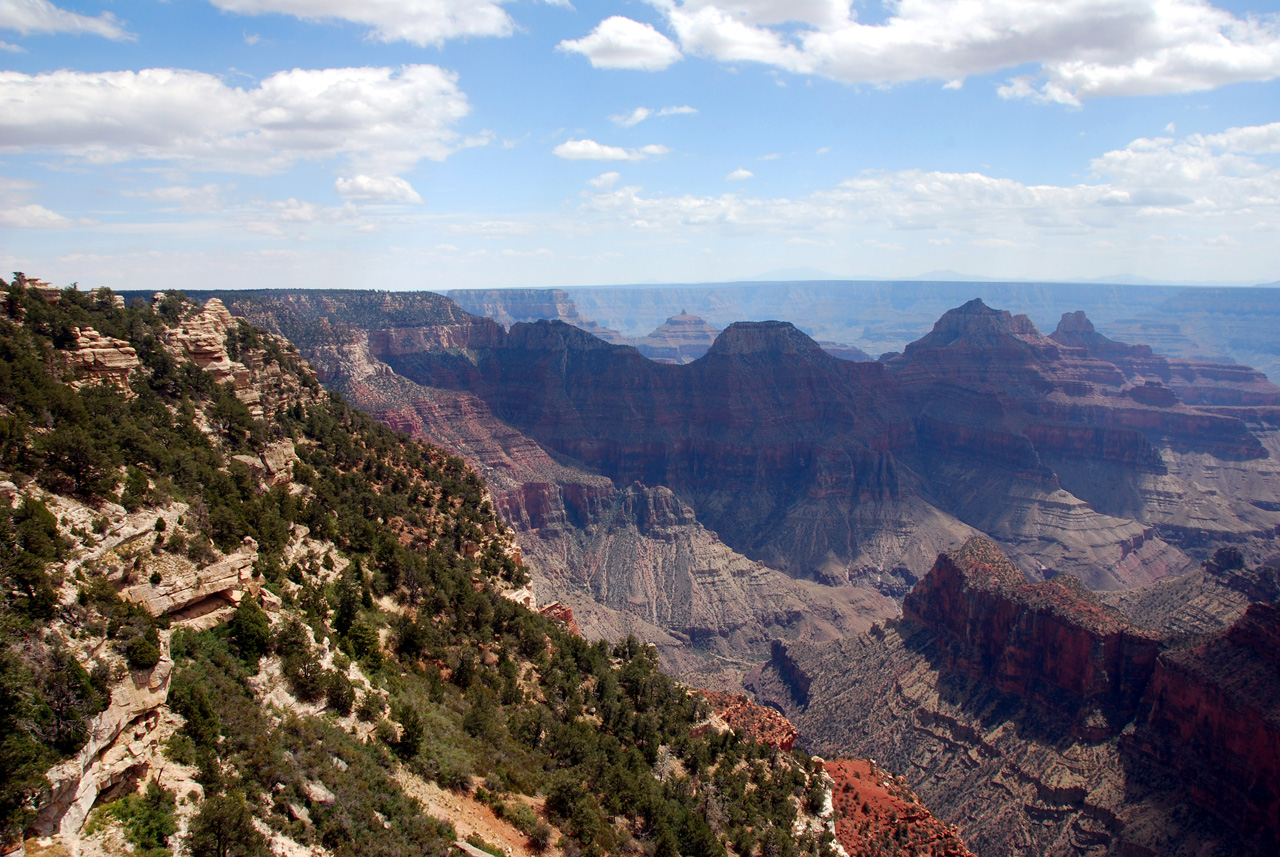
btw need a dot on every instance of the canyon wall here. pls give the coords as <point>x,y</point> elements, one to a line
<point>1041,720</point>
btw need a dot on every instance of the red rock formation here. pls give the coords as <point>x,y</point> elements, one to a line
<point>1050,642</point>
<point>752,720</point>
<point>1046,723</point>
<point>877,813</point>
<point>558,612</point>
<point>1215,720</point>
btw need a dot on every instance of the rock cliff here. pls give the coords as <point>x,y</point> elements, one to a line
<point>1041,721</point>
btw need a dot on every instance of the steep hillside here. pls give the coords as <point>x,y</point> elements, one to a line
<point>241,615</point>
<point>1040,720</point>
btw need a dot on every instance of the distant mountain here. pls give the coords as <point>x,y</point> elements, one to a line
<point>949,276</point>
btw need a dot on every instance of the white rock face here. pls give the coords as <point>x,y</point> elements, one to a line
<point>178,590</point>
<point>101,359</point>
<point>115,748</point>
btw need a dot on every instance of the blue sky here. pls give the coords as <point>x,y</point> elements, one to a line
<point>439,144</point>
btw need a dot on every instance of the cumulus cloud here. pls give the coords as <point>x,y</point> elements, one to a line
<point>383,120</point>
<point>635,117</point>
<point>739,174</point>
<point>1082,48</point>
<point>590,150</point>
<point>619,42</point>
<point>420,22</point>
<point>364,188</point>
<point>41,16</point>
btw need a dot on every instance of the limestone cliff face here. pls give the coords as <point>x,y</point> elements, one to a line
<point>1041,721</point>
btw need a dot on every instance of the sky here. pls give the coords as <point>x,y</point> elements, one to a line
<point>436,144</point>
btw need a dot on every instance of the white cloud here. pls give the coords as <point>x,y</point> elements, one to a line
<point>739,174</point>
<point>41,16</point>
<point>1083,48</point>
<point>204,199</point>
<point>604,181</point>
<point>590,150</point>
<point>420,22</point>
<point>1212,181</point>
<point>13,49</point>
<point>630,120</point>
<point>619,42</point>
<point>32,217</point>
<point>382,120</point>
<point>635,117</point>
<point>364,188</point>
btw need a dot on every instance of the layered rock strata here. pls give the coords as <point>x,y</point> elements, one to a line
<point>1041,721</point>
<point>682,338</point>
<point>848,477</point>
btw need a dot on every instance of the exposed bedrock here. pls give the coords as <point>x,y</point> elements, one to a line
<point>1042,721</point>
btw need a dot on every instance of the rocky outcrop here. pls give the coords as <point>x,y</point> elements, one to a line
<point>1053,643</point>
<point>112,753</point>
<point>1040,721</point>
<point>186,584</point>
<point>874,807</point>
<point>563,615</point>
<point>751,720</point>
<point>99,359</point>
<point>1215,721</point>
<point>682,338</point>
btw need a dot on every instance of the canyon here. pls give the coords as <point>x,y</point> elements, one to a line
<point>1041,719</point>
<point>771,490</point>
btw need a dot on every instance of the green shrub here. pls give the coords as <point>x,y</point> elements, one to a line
<point>224,828</point>
<point>339,694</point>
<point>143,651</point>
<point>149,820</point>
<point>250,630</point>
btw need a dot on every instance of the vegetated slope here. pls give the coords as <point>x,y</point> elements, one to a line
<point>671,495</point>
<point>239,613</point>
<point>1041,720</point>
